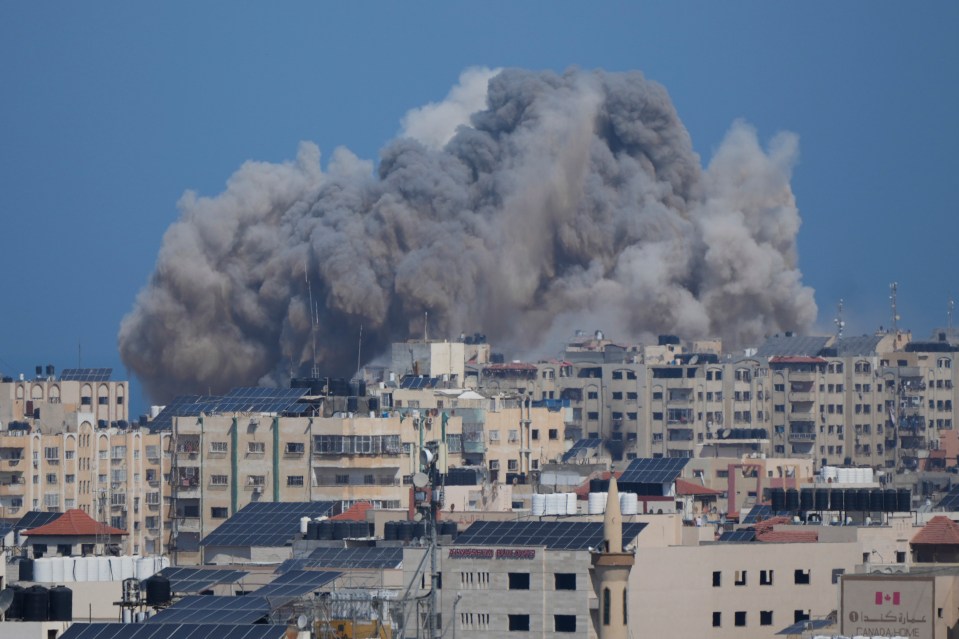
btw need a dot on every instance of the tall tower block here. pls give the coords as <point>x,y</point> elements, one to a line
<point>611,566</point>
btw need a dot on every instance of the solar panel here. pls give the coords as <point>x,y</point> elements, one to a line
<point>738,535</point>
<point>950,501</point>
<point>193,580</point>
<point>259,399</point>
<point>360,558</point>
<point>661,470</point>
<point>297,583</point>
<point>809,624</point>
<point>268,523</point>
<point>581,446</point>
<point>35,519</point>
<point>555,535</point>
<point>208,609</point>
<point>763,512</point>
<point>173,631</point>
<point>181,406</point>
<point>86,374</point>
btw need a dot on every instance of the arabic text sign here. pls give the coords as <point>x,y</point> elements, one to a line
<point>883,606</point>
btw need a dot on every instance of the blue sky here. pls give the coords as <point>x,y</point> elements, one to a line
<point>110,111</point>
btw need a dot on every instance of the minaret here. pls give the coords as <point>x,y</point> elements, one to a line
<point>611,566</point>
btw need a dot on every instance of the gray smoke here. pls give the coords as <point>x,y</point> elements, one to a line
<point>523,199</point>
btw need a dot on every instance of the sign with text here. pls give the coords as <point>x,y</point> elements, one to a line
<point>492,553</point>
<point>888,606</point>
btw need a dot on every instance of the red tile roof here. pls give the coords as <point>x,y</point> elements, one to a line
<point>788,536</point>
<point>356,512</point>
<point>684,487</point>
<point>74,522</point>
<point>939,530</point>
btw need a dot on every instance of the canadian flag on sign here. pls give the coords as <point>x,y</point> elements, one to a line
<point>887,597</point>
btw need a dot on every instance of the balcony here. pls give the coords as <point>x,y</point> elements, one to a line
<point>801,436</point>
<point>187,524</point>
<point>801,396</point>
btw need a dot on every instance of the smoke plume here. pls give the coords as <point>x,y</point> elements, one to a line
<point>523,198</point>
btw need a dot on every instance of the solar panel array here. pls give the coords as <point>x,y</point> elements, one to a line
<point>809,624</point>
<point>763,512</point>
<point>581,446</point>
<point>173,631</point>
<point>208,609</point>
<point>359,558</point>
<point>5,527</point>
<point>244,399</point>
<point>86,374</point>
<point>555,535</point>
<point>738,535</point>
<point>661,470</point>
<point>181,406</point>
<point>297,583</point>
<point>265,523</point>
<point>415,382</point>
<point>950,501</point>
<point>193,580</point>
<point>35,519</point>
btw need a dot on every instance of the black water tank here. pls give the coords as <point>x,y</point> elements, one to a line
<point>312,529</point>
<point>865,501</point>
<point>822,499</point>
<point>359,529</point>
<point>595,485</point>
<point>389,531</point>
<point>341,529</point>
<point>26,569</point>
<point>792,499</point>
<point>778,497</point>
<point>36,603</point>
<point>836,499</point>
<point>449,528</point>
<point>806,499</point>
<point>876,502</point>
<point>61,604</point>
<point>853,501</point>
<point>158,591</point>
<point>419,529</point>
<point>903,500</point>
<point>15,611</point>
<point>889,500</point>
<point>324,529</point>
<point>404,530</point>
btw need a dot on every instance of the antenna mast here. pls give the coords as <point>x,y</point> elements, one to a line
<point>315,371</point>
<point>949,312</point>
<point>359,351</point>
<point>426,326</point>
<point>840,323</point>
<point>893,289</point>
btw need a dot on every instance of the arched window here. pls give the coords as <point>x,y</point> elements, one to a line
<point>606,606</point>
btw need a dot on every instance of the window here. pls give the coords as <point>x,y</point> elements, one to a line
<point>553,434</point>
<point>219,447</point>
<point>69,454</point>
<point>839,572</point>
<point>717,619</point>
<point>295,448</point>
<point>565,580</point>
<point>765,577</point>
<point>256,480</point>
<point>294,480</point>
<point>256,448</point>
<point>51,478</point>
<point>802,576</point>
<point>534,434</point>
<point>219,480</point>
<point>70,479</point>
<point>606,606</point>
<point>50,453</point>
<point>740,618</point>
<point>519,623</point>
<point>564,623</point>
<point>740,578</point>
<point>219,512</point>
<point>494,435</point>
<point>800,615</point>
<point>717,579</point>
<point>512,465</point>
<point>519,581</point>
<point>765,617</point>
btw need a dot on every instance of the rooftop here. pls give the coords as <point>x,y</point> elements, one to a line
<point>74,522</point>
<point>940,530</point>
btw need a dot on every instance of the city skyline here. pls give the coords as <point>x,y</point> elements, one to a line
<point>107,124</point>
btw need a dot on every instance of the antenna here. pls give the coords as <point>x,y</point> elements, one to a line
<point>314,372</point>
<point>840,323</point>
<point>949,312</point>
<point>359,351</point>
<point>893,289</point>
<point>426,325</point>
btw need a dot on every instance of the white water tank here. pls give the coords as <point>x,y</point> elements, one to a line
<point>56,569</point>
<point>628,503</point>
<point>830,474</point>
<point>68,566</point>
<point>126,567</point>
<point>539,505</point>
<point>91,563</point>
<point>127,615</point>
<point>164,562</point>
<point>104,572</point>
<point>571,504</point>
<point>304,522</point>
<point>870,477</point>
<point>844,475</point>
<point>596,503</point>
<point>115,570</point>
<point>43,570</point>
<point>144,568</point>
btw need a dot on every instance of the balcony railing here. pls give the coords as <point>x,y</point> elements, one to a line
<point>802,437</point>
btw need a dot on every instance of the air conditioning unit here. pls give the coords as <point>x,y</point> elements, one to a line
<point>258,490</point>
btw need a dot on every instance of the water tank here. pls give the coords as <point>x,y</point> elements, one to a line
<point>164,562</point>
<point>555,504</point>
<point>389,531</point>
<point>889,500</point>
<point>806,499</point>
<point>324,530</point>
<point>92,563</point>
<point>853,502</point>
<point>81,570</point>
<point>830,474</point>
<point>404,530</point>
<point>126,567</point>
<point>145,567</point>
<point>539,505</point>
<point>359,529</point>
<point>596,503</point>
<point>419,530</point>
<point>903,500</point>
<point>868,475</point>
<point>865,503</point>
<point>304,522</point>
<point>822,499</point>
<point>61,604</point>
<point>598,485</point>
<point>36,603</point>
<point>449,528</point>
<point>778,498</point>
<point>792,499</point>
<point>572,505</point>
<point>836,501</point>
<point>56,569</point>
<point>628,503</point>
<point>43,570</point>
<point>104,572</point>
<point>115,569</point>
<point>843,475</point>
<point>158,590</point>
<point>26,569</point>
<point>341,529</point>
<point>15,611</point>
<point>312,529</point>
<point>876,500</point>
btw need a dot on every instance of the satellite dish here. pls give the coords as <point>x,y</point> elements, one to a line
<point>426,458</point>
<point>693,360</point>
<point>6,598</point>
<point>302,622</point>
<point>418,517</point>
<point>420,480</point>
